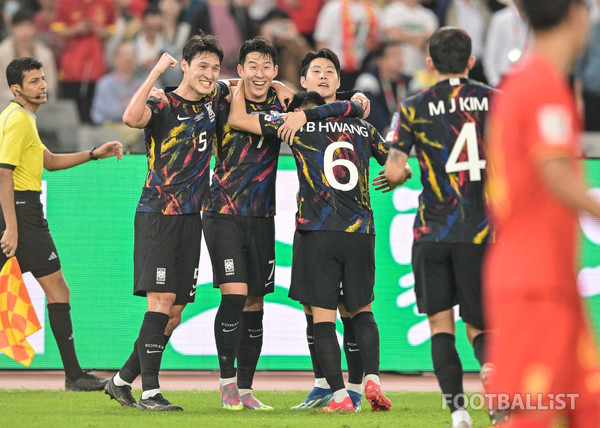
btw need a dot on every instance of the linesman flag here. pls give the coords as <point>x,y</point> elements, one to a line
<point>17,316</point>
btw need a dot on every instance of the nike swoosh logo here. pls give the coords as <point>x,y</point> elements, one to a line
<point>268,283</point>
<point>229,330</point>
<point>255,336</point>
<point>152,352</point>
<point>183,118</point>
<point>353,349</point>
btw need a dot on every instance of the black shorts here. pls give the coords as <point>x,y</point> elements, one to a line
<point>36,251</point>
<point>447,274</point>
<point>242,249</point>
<point>331,266</point>
<point>166,254</point>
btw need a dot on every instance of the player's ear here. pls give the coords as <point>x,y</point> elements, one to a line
<point>339,82</point>
<point>471,63</point>
<point>240,69</point>
<point>184,65</point>
<point>276,71</point>
<point>429,63</point>
<point>303,81</point>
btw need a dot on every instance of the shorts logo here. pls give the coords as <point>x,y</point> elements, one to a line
<point>53,256</point>
<point>161,275</point>
<point>229,268</point>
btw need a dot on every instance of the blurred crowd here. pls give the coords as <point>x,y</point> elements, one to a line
<point>97,52</point>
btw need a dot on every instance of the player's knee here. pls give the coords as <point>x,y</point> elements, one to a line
<point>254,303</point>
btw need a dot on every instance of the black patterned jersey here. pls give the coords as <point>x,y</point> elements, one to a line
<point>179,139</point>
<point>446,125</point>
<point>245,165</point>
<point>332,157</point>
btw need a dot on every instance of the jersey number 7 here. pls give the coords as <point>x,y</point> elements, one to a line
<point>468,136</point>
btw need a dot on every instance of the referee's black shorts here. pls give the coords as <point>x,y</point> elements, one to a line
<point>242,249</point>
<point>331,266</point>
<point>166,254</point>
<point>447,274</point>
<point>36,251</point>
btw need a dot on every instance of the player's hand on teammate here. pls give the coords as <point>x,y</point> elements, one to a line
<point>381,183</point>
<point>292,123</point>
<point>112,148</point>
<point>284,94</point>
<point>8,242</point>
<point>164,62</point>
<point>366,103</point>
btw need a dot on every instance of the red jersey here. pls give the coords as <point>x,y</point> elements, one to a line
<point>533,118</point>
<point>82,58</point>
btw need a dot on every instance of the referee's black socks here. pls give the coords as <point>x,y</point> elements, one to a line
<point>329,354</point>
<point>448,369</point>
<point>367,337</point>
<point>250,346</point>
<point>59,315</point>
<point>479,347</point>
<point>150,347</point>
<point>228,332</point>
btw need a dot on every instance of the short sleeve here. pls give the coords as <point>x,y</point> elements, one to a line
<point>379,147</point>
<point>269,125</point>
<point>15,141</point>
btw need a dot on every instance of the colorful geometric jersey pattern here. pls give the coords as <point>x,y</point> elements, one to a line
<point>245,165</point>
<point>332,158</point>
<point>446,125</point>
<point>179,139</point>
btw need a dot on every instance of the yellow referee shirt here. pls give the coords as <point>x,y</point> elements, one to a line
<point>21,147</point>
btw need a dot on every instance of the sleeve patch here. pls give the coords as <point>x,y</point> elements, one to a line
<point>555,124</point>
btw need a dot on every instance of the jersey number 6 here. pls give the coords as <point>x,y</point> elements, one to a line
<point>329,163</point>
<point>468,136</point>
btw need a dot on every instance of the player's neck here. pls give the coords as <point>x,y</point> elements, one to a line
<point>443,77</point>
<point>557,49</point>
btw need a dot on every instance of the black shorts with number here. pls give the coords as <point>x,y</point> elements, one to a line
<point>324,259</point>
<point>166,254</point>
<point>36,251</point>
<point>447,274</point>
<point>242,249</point>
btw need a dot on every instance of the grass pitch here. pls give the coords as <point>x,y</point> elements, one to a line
<point>25,408</point>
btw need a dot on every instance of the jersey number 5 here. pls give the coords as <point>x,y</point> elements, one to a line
<point>329,163</point>
<point>468,136</point>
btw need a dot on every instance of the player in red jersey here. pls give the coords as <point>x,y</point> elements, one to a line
<point>543,349</point>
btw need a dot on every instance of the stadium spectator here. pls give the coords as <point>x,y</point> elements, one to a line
<point>175,32</point>
<point>230,22</point>
<point>385,84</point>
<point>149,44</point>
<point>113,92</point>
<point>409,22</point>
<point>350,28</point>
<point>451,228</point>
<point>507,41</point>
<point>587,84</point>
<point>24,230</point>
<point>304,13</point>
<point>544,347</point>
<point>291,46</point>
<point>334,239</point>
<point>168,225</point>
<point>43,18</point>
<point>127,26</point>
<point>22,43</point>
<point>84,25</point>
<point>473,16</point>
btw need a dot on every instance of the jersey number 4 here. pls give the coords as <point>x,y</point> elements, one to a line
<point>473,164</point>
<point>329,163</point>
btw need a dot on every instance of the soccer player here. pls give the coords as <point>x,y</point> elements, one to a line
<point>179,136</point>
<point>445,124</point>
<point>321,73</point>
<point>544,346</point>
<point>24,230</point>
<point>335,222</point>
<point>239,228</point>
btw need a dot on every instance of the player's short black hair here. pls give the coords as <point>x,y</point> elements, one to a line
<point>450,50</point>
<point>15,71</point>
<point>543,14</point>
<point>22,15</point>
<point>259,44</point>
<point>322,53</point>
<point>201,43</point>
<point>303,100</point>
<point>152,9</point>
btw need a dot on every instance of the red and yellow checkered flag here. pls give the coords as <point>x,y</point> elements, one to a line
<point>17,316</point>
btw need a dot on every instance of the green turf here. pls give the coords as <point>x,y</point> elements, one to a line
<point>23,408</point>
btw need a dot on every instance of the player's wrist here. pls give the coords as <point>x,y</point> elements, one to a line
<point>91,152</point>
